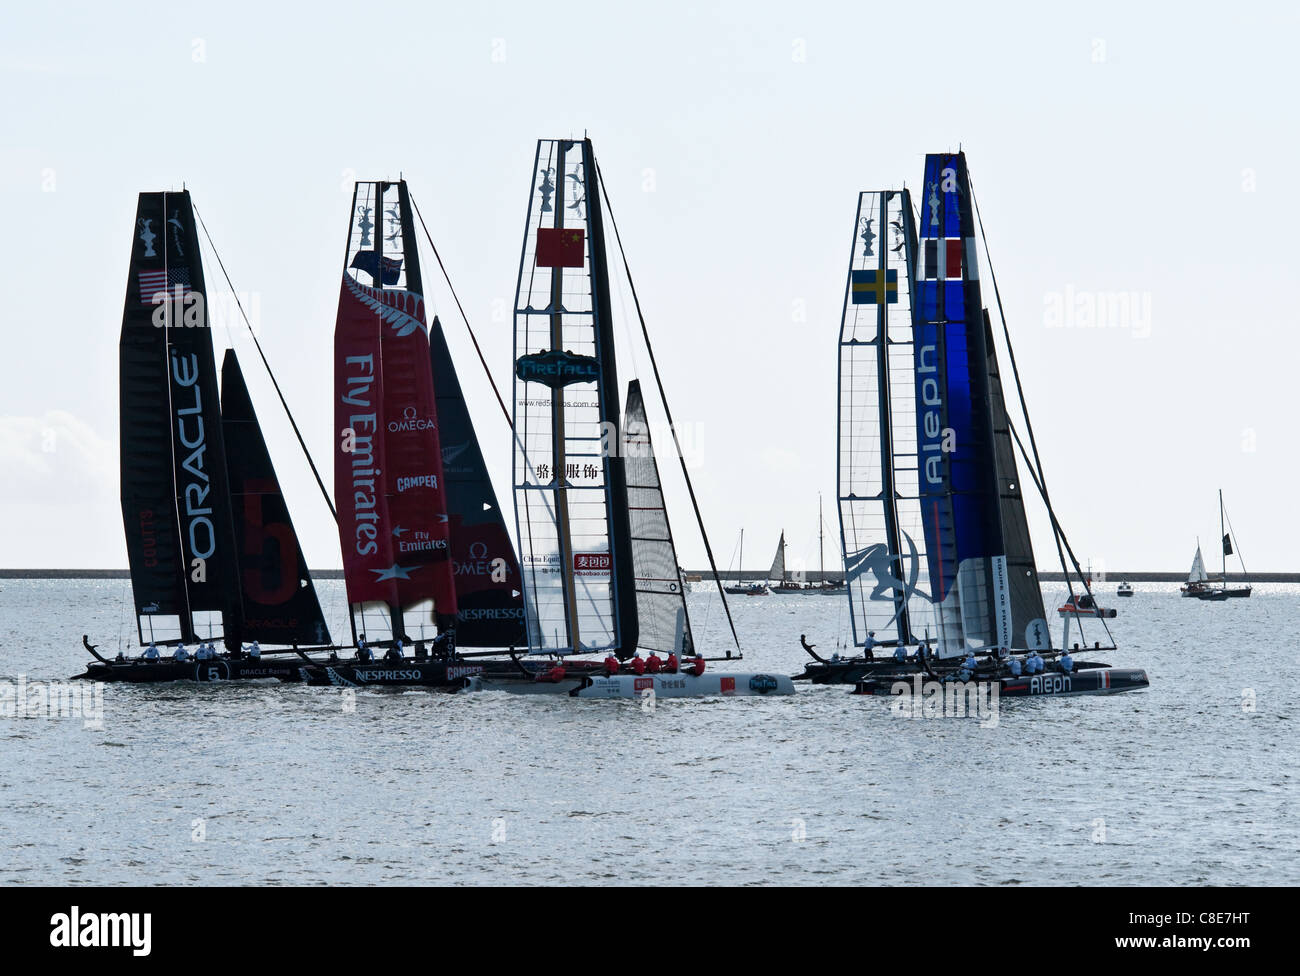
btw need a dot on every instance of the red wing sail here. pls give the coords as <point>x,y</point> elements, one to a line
<point>365,530</point>
<point>391,496</point>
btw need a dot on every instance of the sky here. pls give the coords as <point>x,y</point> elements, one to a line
<point>1134,170</point>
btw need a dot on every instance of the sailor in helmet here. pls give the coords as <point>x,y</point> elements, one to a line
<point>1014,665</point>
<point>180,654</point>
<point>869,644</point>
<point>255,651</point>
<point>1067,662</point>
<point>151,652</point>
<point>900,654</point>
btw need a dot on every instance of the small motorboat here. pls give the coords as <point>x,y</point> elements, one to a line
<point>1124,589</point>
<point>1083,605</point>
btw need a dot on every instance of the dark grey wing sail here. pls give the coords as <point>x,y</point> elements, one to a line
<point>660,601</point>
<point>279,599</point>
<point>171,429</point>
<point>1028,620</point>
<point>489,591</point>
<point>148,500</point>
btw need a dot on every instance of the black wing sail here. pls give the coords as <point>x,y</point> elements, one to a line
<point>489,591</point>
<point>182,547</point>
<point>279,599</point>
<point>148,501</point>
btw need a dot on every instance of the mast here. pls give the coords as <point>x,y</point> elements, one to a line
<point>564,525</point>
<point>1223,541</point>
<point>742,553</point>
<point>821,537</point>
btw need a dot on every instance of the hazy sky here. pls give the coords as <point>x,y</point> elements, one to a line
<point>1126,160</point>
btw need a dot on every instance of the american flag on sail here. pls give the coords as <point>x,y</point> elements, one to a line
<point>162,280</point>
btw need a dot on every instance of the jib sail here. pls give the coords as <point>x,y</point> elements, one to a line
<point>279,599</point>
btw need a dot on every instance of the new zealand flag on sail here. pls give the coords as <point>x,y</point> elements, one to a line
<point>369,261</point>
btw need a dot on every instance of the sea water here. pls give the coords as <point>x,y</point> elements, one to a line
<point>1190,782</point>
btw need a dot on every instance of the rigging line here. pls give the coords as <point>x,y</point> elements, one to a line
<point>663,398</point>
<point>1024,407</point>
<point>284,403</point>
<point>1236,545</point>
<point>1037,462</point>
<point>464,317</point>
<point>1061,537</point>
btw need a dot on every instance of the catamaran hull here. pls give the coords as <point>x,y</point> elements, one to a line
<point>1052,684</point>
<point>678,685</point>
<point>218,669</point>
<point>387,674</point>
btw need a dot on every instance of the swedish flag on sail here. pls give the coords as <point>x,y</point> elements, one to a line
<point>870,288</point>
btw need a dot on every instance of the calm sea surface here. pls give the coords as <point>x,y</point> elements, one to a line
<point>283,784</point>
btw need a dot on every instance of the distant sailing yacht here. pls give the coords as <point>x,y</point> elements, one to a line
<point>1200,585</point>
<point>942,580</point>
<point>779,580</point>
<point>213,554</point>
<point>742,588</point>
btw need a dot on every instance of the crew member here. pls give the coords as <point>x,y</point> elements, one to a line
<point>255,651</point>
<point>869,645</point>
<point>180,653</point>
<point>638,663</point>
<point>900,654</point>
<point>1067,662</point>
<point>151,652</point>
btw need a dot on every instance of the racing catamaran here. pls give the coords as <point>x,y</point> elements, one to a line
<point>598,561</point>
<point>427,558</point>
<point>940,569</point>
<point>213,555</point>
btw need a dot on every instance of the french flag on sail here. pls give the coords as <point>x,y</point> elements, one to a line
<point>945,257</point>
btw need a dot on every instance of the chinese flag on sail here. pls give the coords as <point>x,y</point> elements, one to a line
<point>560,247</point>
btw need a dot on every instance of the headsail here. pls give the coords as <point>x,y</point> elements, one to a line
<point>570,493</point>
<point>777,572</point>
<point>389,486</point>
<point>661,602</point>
<point>1028,619</point>
<point>175,498</point>
<point>1197,573</point>
<point>279,599</point>
<point>489,598</point>
<point>882,531</point>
